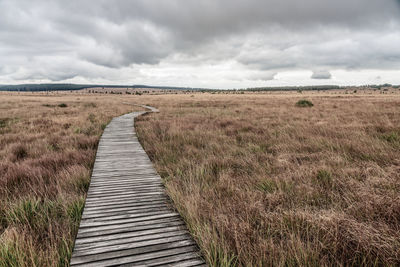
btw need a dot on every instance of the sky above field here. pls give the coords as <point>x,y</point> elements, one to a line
<point>207,43</point>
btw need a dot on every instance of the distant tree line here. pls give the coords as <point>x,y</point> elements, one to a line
<point>69,87</point>
<point>318,87</point>
<point>44,87</point>
<point>170,88</point>
<point>295,88</point>
<point>72,87</point>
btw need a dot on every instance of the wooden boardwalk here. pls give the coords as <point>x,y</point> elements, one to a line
<point>128,219</point>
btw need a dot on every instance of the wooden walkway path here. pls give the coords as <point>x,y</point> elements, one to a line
<point>128,219</point>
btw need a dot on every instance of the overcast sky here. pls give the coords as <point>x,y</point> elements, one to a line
<point>200,43</point>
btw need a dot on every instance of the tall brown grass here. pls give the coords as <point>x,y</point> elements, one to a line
<point>47,149</point>
<point>260,180</point>
<point>264,182</point>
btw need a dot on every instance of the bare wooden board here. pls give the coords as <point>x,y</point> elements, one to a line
<point>128,218</point>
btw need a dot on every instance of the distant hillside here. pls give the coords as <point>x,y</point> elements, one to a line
<point>292,88</point>
<point>169,87</point>
<point>69,87</point>
<point>44,87</point>
<point>319,87</point>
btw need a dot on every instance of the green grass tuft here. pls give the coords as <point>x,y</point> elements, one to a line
<point>90,105</point>
<point>11,255</point>
<point>81,184</point>
<point>267,186</point>
<point>392,138</point>
<point>75,210</point>
<point>64,252</point>
<point>324,178</point>
<point>218,257</point>
<point>24,212</point>
<point>304,103</point>
<point>4,122</point>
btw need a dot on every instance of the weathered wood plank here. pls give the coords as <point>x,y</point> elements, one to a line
<point>112,215</point>
<point>191,262</point>
<point>130,228</point>
<point>138,260</point>
<point>127,203</point>
<point>126,180</point>
<point>169,260</point>
<point>97,188</point>
<point>128,218</point>
<point>128,234</point>
<point>127,195</point>
<point>138,188</point>
<point>100,226</point>
<point>135,252</point>
<point>124,192</point>
<point>128,210</point>
<point>129,240</point>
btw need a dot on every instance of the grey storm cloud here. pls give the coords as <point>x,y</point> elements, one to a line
<point>60,40</point>
<point>321,75</point>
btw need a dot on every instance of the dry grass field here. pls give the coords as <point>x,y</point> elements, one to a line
<point>47,150</point>
<point>259,180</point>
<point>263,182</point>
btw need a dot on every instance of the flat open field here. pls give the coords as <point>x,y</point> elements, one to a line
<point>259,180</point>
